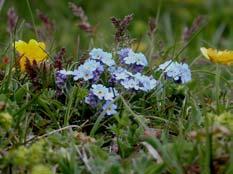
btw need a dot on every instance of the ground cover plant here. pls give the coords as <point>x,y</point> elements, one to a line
<point>128,95</point>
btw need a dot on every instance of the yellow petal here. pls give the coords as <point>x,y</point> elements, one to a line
<point>204,52</point>
<point>222,57</point>
<point>22,63</point>
<point>32,50</point>
<point>32,42</point>
<point>20,46</point>
<point>42,45</point>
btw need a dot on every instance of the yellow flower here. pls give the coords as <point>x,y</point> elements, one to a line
<point>222,57</point>
<point>32,50</point>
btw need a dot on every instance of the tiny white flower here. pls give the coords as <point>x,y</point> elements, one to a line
<point>64,72</point>
<point>136,58</point>
<point>111,94</point>
<point>99,90</point>
<point>131,84</point>
<point>96,53</point>
<point>176,71</point>
<point>110,108</point>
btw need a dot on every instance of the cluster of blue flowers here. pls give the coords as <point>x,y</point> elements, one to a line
<point>131,81</point>
<point>134,61</point>
<point>104,57</point>
<point>179,72</point>
<point>90,70</point>
<point>127,73</point>
<point>98,93</point>
<point>93,67</point>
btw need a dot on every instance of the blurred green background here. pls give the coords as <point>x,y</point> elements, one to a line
<point>174,16</point>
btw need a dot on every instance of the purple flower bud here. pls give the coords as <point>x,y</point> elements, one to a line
<point>97,73</point>
<point>136,68</point>
<point>60,79</point>
<point>92,99</point>
<point>123,53</point>
<point>12,19</point>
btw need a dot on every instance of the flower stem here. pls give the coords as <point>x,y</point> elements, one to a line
<point>32,18</point>
<point>217,88</point>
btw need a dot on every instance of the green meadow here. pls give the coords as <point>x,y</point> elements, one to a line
<point>116,87</point>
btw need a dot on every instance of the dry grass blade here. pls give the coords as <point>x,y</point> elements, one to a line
<point>154,153</point>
